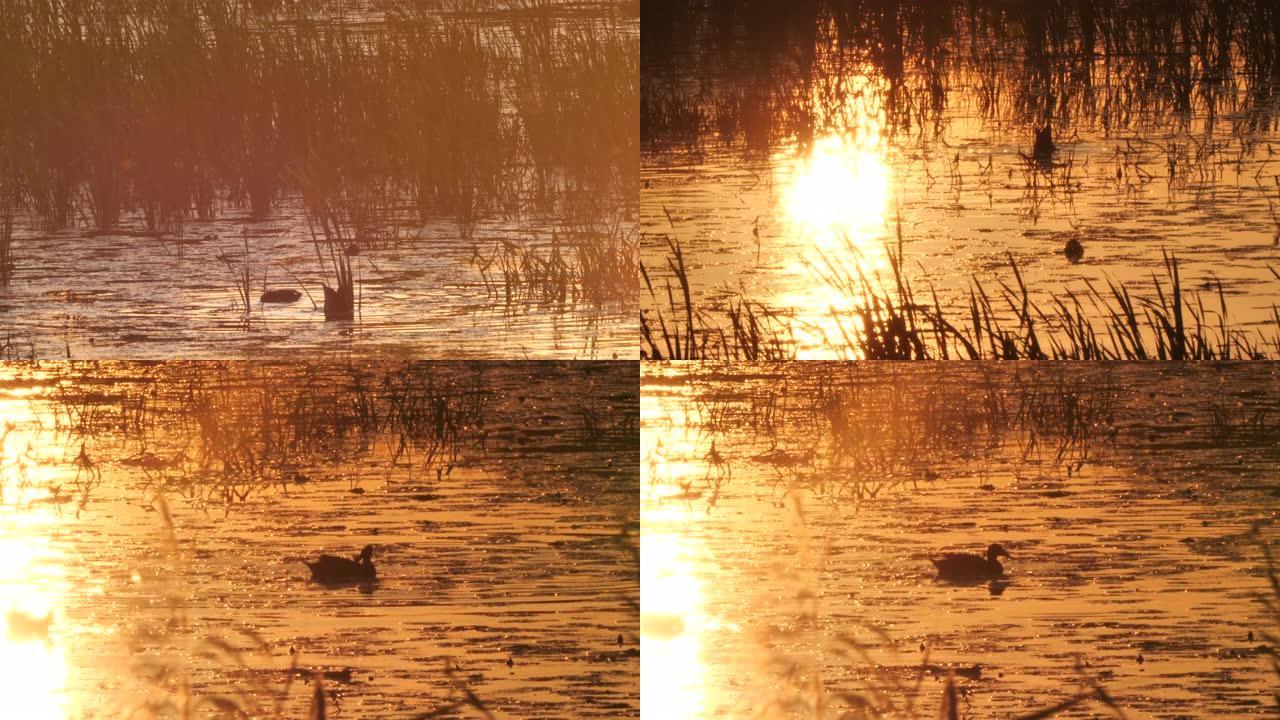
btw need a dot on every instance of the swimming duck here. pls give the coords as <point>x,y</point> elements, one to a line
<point>331,569</point>
<point>967,567</point>
<point>1074,250</point>
<point>1044,148</point>
<point>280,295</point>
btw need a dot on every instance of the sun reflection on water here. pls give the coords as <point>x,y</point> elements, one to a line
<point>835,199</point>
<point>838,189</point>
<point>33,666</point>
<point>673,616</point>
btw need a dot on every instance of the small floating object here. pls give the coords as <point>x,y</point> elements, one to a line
<point>1140,659</point>
<point>1044,148</point>
<point>210,237</point>
<point>1250,636</point>
<point>280,295</point>
<point>510,661</point>
<point>967,567</point>
<point>972,672</point>
<point>1074,250</point>
<point>342,676</point>
<point>333,570</point>
<point>620,639</point>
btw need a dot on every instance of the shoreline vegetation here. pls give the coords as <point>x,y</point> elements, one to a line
<point>727,72</point>
<point>889,319</point>
<point>138,117</point>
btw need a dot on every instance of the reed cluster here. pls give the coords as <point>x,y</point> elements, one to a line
<point>394,113</point>
<point>887,319</point>
<point>723,71</point>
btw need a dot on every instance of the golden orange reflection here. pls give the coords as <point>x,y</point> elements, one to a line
<point>674,621</point>
<point>839,189</point>
<point>33,666</point>
<point>835,201</point>
<point>673,680</point>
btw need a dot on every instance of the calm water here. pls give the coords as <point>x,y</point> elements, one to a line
<point>516,540</point>
<point>788,514</point>
<point>120,296</point>
<point>813,145</point>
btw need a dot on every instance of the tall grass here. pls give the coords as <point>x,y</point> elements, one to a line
<point>886,320</point>
<point>164,111</point>
<point>723,70</point>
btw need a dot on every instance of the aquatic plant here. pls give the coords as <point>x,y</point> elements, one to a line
<point>1111,65</point>
<point>177,110</point>
<point>884,320</point>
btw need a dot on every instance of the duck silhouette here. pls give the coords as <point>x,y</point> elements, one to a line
<point>1073,250</point>
<point>333,570</point>
<point>967,567</point>
<point>280,295</point>
<point>1043,149</point>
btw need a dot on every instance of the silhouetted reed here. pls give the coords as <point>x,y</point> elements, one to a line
<point>885,320</point>
<point>726,70</point>
<point>179,110</point>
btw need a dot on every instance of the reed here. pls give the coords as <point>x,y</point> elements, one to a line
<point>166,111</point>
<point>1115,66</point>
<point>1271,604</point>
<point>884,319</point>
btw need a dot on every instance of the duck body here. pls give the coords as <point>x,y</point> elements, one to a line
<point>1074,250</point>
<point>1044,148</point>
<point>334,570</point>
<point>967,567</point>
<point>280,295</point>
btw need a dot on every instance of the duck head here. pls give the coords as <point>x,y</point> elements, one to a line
<point>996,551</point>
<point>366,555</point>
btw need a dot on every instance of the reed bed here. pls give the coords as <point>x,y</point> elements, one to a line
<point>163,112</point>
<point>583,265</point>
<point>217,434</point>
<point>865,434</point>
<point>887,319</point>
<point>1115,66</point>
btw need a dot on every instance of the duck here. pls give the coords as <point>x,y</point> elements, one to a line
<point>280,295</point>
<point>333,570</point>
<point>1044,148</point>
<point>1074,250</point>
<point>967,567</point>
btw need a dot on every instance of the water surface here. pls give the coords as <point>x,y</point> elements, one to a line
<point>789,514</point>
<point>155,519</point>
